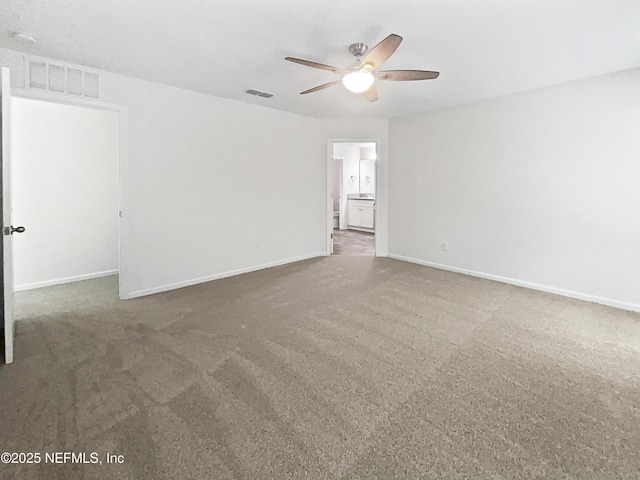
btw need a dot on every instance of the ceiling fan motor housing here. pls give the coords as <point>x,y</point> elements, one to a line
<point>358,49</point>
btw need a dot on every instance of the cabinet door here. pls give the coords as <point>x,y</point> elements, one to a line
<point>366,217</point>
<point>354,216</point>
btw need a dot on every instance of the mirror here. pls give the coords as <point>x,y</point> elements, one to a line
<point>367,168</point>
<point>367,177</point>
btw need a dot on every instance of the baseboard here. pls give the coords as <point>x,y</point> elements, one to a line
<point>60,281</point>
<point>217,276</point>
<point>521,283</point>
<point>362,229</point>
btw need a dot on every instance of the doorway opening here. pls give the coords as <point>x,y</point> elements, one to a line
<point>65,192</point>
<point>352,187</point>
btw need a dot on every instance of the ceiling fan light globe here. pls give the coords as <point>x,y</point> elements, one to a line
<point>358,82</point>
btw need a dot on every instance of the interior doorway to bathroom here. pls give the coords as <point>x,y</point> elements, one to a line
<point>353,197</point>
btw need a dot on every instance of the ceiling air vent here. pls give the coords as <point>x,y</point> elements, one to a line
<point>62,78</point>
<point>259,93</point>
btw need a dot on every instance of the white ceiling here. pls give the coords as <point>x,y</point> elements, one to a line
<point>482,48</point>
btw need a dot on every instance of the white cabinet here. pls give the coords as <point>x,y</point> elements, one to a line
<point>361,213</point>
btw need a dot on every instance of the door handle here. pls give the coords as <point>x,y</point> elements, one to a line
<point>11,230</point>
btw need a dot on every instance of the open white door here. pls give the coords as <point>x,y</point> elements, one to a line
<point>336,197</point>
<point>7,229</point>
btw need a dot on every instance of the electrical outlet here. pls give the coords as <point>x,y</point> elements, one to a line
<point>444,246</point>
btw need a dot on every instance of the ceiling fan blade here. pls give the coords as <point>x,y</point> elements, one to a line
<point>378,54</point>
<point>321,66</point>
<point>320,87</point>
<point>371,94</point>
<point>405,75</point>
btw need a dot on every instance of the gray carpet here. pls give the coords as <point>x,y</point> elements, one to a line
<point>354,243</point>
<point>339,367</point>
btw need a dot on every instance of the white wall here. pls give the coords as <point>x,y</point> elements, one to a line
<point>540,188</point>
<point>64,191</point>
<point>212,184</point>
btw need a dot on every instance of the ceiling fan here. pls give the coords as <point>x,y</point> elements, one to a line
<point>360,78</point>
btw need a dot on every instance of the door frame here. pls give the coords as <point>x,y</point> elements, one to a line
<point>380,200</point>
<point>339,164</point>
<point>122,161</point>
<point>6,250</point>
<point>341,219</point>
